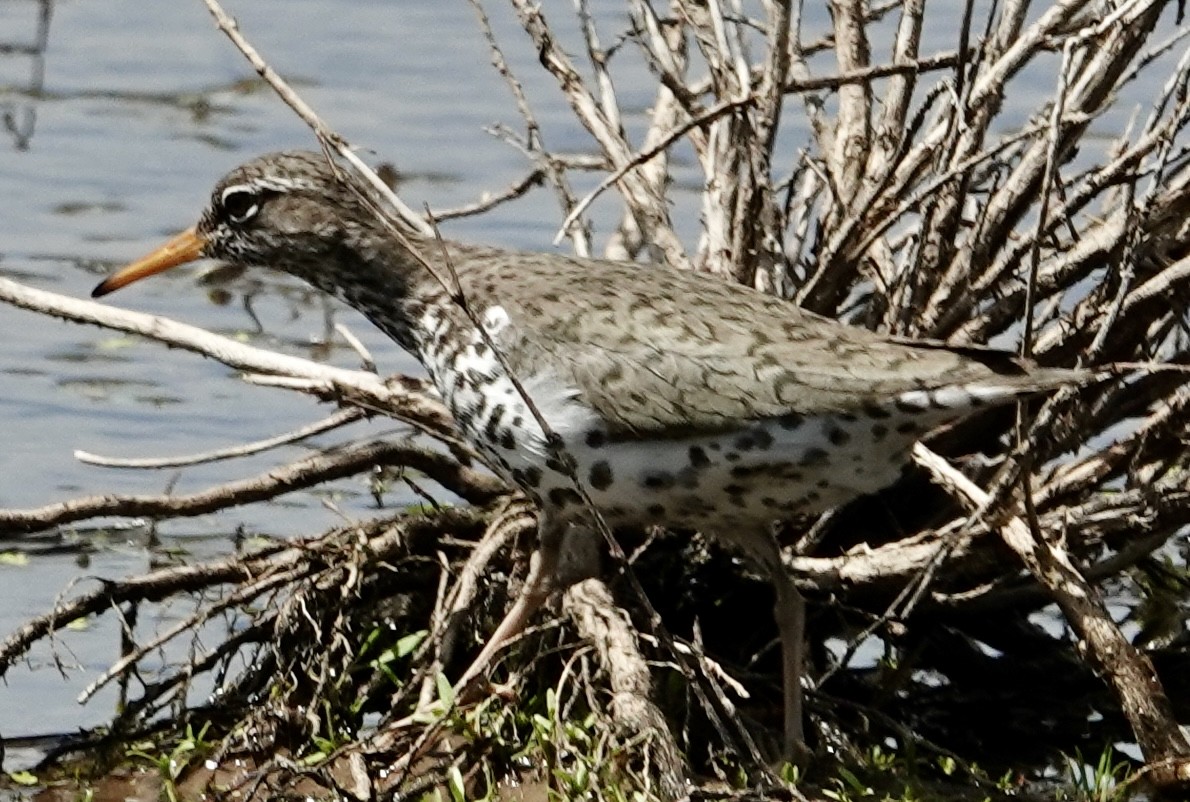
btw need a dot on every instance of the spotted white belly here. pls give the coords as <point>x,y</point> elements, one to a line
<point>744,477</point>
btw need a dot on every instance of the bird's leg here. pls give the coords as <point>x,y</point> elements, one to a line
<point>789,610</point>
<point>539,584</point>
<point>790,613</point>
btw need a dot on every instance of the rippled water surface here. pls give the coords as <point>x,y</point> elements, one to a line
<point>114,133</point>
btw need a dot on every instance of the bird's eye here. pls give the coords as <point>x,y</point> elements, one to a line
<point>240,204</point>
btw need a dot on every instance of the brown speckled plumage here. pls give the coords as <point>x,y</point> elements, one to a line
<point>682,399</point>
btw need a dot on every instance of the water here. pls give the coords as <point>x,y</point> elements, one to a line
<point>113,136</point>
<point>115,133</point>
<point>141,106</point>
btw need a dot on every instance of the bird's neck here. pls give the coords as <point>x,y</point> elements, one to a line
<point>382,277</point>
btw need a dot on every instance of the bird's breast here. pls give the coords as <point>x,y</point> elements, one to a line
<point>499,412</point>
<point>740,477</point>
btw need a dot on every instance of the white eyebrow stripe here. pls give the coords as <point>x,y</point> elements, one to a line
<point>227,192</point>
<point>269,183</point>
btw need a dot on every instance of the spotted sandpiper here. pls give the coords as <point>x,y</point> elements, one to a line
<point>679,398</point>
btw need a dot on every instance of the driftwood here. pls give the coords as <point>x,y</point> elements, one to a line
<point>911,207</point>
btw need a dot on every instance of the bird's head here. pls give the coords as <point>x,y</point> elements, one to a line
<point>292,211</point>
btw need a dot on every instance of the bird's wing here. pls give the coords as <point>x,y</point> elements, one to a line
<point>672,353</point>
<point>682,389</point>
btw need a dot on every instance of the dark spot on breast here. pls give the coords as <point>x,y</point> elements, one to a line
<point>747,471</point>
<point>532,476</point>
<point>745,442</point>
<point>791,421</point>
<point>561,497</point>
<point>601,475</point>
<point>838,436</point>
<point>596,438</point>
<point>493,423</point>
<point>656,510</point>
<point>879,430</point>
<point>659,481</point>
<point>698,457</point>
<point>507,440</point>
<point>813,457</point>
<point>907,427</point>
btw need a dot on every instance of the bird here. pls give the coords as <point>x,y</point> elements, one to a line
<point>652,395</point>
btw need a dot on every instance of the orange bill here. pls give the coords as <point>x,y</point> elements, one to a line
<point>186,247</point>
